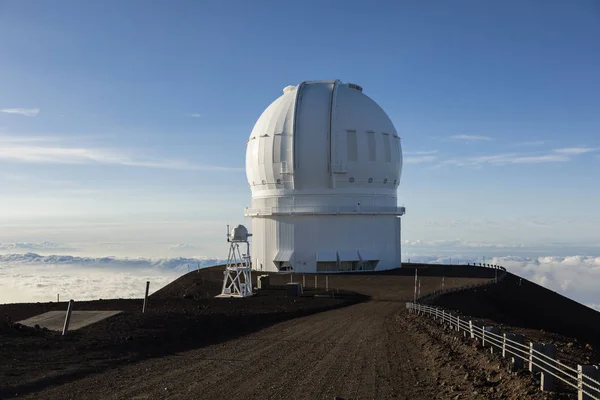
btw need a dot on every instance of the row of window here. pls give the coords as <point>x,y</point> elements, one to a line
<point>352,140</point>
<point>346,266</point>
<point>333,266</point>
<point>351,143</point>
<point>351,180</point>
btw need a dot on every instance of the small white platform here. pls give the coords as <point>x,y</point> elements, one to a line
<point>55,320</point>
<point>229,296</point>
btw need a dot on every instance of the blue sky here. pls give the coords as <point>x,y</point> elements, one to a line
<point>124,123</point>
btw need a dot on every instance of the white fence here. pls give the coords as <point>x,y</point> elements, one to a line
<point>538,357</point>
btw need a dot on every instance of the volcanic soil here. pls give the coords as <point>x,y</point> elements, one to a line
<point>180,317</point>
<point>192,346</point>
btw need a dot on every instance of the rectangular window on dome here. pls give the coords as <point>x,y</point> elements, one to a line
<point>277,148</point>
<point>352,146</point>
<point>371,146</point>
<point>387,149</point>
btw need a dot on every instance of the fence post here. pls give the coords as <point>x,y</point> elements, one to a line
<point>471,329</point>
<point>303,280</point>
<point>67,318</point>
<point>548,380</point>
<point>505,337</point>
<point>443,317</point>
<point>533,347</point>
<point>146,297</point>
<point>326,283</point>
<point>583,372</point>
<point>316,282</point>
<point>483,336</point>
<point>457,323</point>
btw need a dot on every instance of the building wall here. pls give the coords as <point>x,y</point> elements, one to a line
<point>306,236</point>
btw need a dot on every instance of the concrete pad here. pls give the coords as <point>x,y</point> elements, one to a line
<point>55,320</point>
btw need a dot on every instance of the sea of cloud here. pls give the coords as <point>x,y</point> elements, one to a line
<point>31,277</point>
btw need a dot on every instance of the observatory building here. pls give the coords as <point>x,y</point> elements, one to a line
<point>324,163</point>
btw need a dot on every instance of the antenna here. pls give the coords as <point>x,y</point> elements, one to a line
<point>237,280</point>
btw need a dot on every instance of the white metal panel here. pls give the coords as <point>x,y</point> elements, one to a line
<point>352,144</point>
<point>398,242</point>
<point>340,153</point>
<point>326,255</point>
<point>284,255</point>
<point>348,255</point>
<point>251,156</point>
<point>311,142</point>
<point>387,148</point>
<point>277,148</point>
<point>371,146</point>
<point>398,156</point>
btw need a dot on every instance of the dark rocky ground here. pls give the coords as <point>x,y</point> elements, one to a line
<point>190,345</point>
<point>182,316</point>
<point>541,315</point>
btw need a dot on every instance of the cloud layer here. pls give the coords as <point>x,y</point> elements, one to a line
<point>26,150</point>
<point>30,246</point>
<point>166,263</point>
<point>31,277</point>
<point>28,112</point>
<point>471,137</point>
<point>550,156</point>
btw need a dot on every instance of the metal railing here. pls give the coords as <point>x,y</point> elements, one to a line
<point>337,210</point>
<point>538,356</point>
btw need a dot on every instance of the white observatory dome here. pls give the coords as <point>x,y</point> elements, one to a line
<point>340,132</point>
<point>324,163</point>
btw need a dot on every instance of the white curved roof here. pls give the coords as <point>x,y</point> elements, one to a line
<point>323,136</point>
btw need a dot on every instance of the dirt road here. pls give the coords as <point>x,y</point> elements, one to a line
<point>350,352</point>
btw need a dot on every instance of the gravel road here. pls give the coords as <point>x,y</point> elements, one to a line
<point>353,352</point>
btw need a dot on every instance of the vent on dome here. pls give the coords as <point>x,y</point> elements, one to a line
<point>355,87</point>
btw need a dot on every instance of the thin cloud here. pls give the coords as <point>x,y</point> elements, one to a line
<point>420,153</point>
<point>196,115</point>
<point>556,156</point>
<point>28,112</point>
<point>419,160</point>
<point>29,139</point>
<point>62,155</point>
<point>540,159</point>
<point>532,143</point>
<point>576,150</point>
<point>470,137</point>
